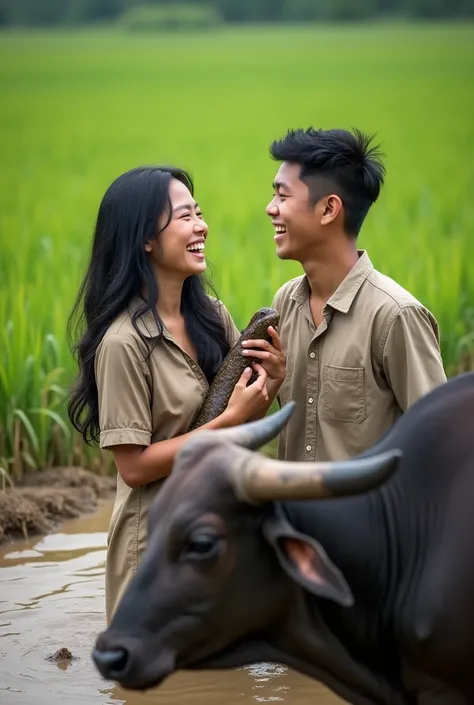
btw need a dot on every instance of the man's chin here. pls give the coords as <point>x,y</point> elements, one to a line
<point>282,253</point>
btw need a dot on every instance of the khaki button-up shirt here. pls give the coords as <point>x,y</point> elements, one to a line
<point>374,354</point>
<point>142,401</point>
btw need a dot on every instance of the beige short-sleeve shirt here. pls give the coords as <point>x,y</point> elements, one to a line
<point>374,354</point>
<point>142,401</point>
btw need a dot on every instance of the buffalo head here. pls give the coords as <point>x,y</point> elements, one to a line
<point>222,562</point>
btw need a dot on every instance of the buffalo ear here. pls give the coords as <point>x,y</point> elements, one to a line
<point>306,561</point>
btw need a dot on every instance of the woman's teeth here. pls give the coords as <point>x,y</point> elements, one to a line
<point>197,247</point>
<point>280,229</point>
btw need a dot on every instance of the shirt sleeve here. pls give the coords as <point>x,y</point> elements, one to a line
<point>124,393</point>
<point>411,355</point>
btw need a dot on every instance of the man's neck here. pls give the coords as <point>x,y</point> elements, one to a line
<point>327,269</point>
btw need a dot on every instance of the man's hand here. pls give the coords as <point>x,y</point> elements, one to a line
<point>272,356</point>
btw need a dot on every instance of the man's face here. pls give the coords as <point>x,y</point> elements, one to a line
<point>296,221</point>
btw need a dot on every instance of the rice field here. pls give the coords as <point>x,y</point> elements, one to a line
<point>80,108</point>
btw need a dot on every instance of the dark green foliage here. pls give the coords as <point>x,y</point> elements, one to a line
<point>169,17</point>
<point>54,12</point>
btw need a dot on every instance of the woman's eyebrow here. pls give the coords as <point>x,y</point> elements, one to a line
<point>185,206</point>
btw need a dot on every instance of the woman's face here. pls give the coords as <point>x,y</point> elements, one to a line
<point>179,247</point>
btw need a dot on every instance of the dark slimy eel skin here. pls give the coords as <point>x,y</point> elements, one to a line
<point>234,364</point>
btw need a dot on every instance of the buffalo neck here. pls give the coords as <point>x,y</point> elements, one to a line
<point>304,642</point>
<point>354,534</point>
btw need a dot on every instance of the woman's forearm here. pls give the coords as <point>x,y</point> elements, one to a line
<point>138,465</point>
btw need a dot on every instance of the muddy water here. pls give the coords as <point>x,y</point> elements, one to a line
<point>52,595</point>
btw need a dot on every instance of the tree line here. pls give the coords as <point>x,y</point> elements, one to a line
<point>72,12</point>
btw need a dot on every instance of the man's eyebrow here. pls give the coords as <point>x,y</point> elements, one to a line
<point>185,206</point>
<point>277,185</point>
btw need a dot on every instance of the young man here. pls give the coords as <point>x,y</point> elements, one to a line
<point>360,349</point>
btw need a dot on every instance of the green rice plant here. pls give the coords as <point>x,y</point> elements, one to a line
<point>80,108</point>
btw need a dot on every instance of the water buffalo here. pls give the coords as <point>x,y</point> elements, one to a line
<point>358,573</point>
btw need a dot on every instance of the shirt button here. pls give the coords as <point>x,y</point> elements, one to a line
<point>193,367</point>
<point>312,355</point>
<point>311,400</point>
<point>308,448</point>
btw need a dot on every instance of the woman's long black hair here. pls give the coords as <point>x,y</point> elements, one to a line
<point>118,271</point>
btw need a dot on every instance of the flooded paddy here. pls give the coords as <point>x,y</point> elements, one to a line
<point>52,596</point>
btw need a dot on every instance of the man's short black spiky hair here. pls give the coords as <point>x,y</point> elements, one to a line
<point>336,161</point>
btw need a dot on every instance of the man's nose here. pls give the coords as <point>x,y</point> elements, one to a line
<point>271,209</point>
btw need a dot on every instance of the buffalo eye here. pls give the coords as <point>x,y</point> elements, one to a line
<point>202,545</point>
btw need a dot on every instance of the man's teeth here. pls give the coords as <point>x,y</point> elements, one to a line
<point>197,247</point>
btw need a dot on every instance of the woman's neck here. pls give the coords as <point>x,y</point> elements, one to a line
<point>170,290</point>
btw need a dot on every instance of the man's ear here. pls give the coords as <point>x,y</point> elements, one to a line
<point>332,206</point>
<point>306,561</point>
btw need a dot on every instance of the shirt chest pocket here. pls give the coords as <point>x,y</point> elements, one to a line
<point>344,394</point>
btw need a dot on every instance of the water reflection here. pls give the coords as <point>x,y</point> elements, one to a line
<point>52,596</point>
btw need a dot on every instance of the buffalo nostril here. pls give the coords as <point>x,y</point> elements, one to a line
<point>113,662</point>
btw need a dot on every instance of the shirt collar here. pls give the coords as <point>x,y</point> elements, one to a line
<point>347,290</point>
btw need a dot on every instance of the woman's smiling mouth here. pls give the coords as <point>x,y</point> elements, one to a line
<point>197,249</point>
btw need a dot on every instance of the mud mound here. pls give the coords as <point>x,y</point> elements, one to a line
<point>69,477</point>
<point>46,498</point>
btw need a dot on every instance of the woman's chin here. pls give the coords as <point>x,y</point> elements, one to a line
<point>200,267</point>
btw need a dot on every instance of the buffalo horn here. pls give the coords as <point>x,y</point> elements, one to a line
<point>255,434</point>
<point>258,479</point>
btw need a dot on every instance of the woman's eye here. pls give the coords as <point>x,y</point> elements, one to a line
<point>186,215</point>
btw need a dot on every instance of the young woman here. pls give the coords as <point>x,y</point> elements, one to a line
<point>151,344</point>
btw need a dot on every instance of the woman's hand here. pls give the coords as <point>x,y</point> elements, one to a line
<point>272,357</point>
<point>246,401</point>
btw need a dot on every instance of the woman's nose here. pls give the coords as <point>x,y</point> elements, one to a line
<point>200,226</point>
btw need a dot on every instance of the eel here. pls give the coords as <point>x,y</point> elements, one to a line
<point>233,365</point>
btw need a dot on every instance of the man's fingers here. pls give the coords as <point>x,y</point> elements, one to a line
<point>262,355</point>
<point>275,338</point>
<point>248,346</point>
<point>256,343</point>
